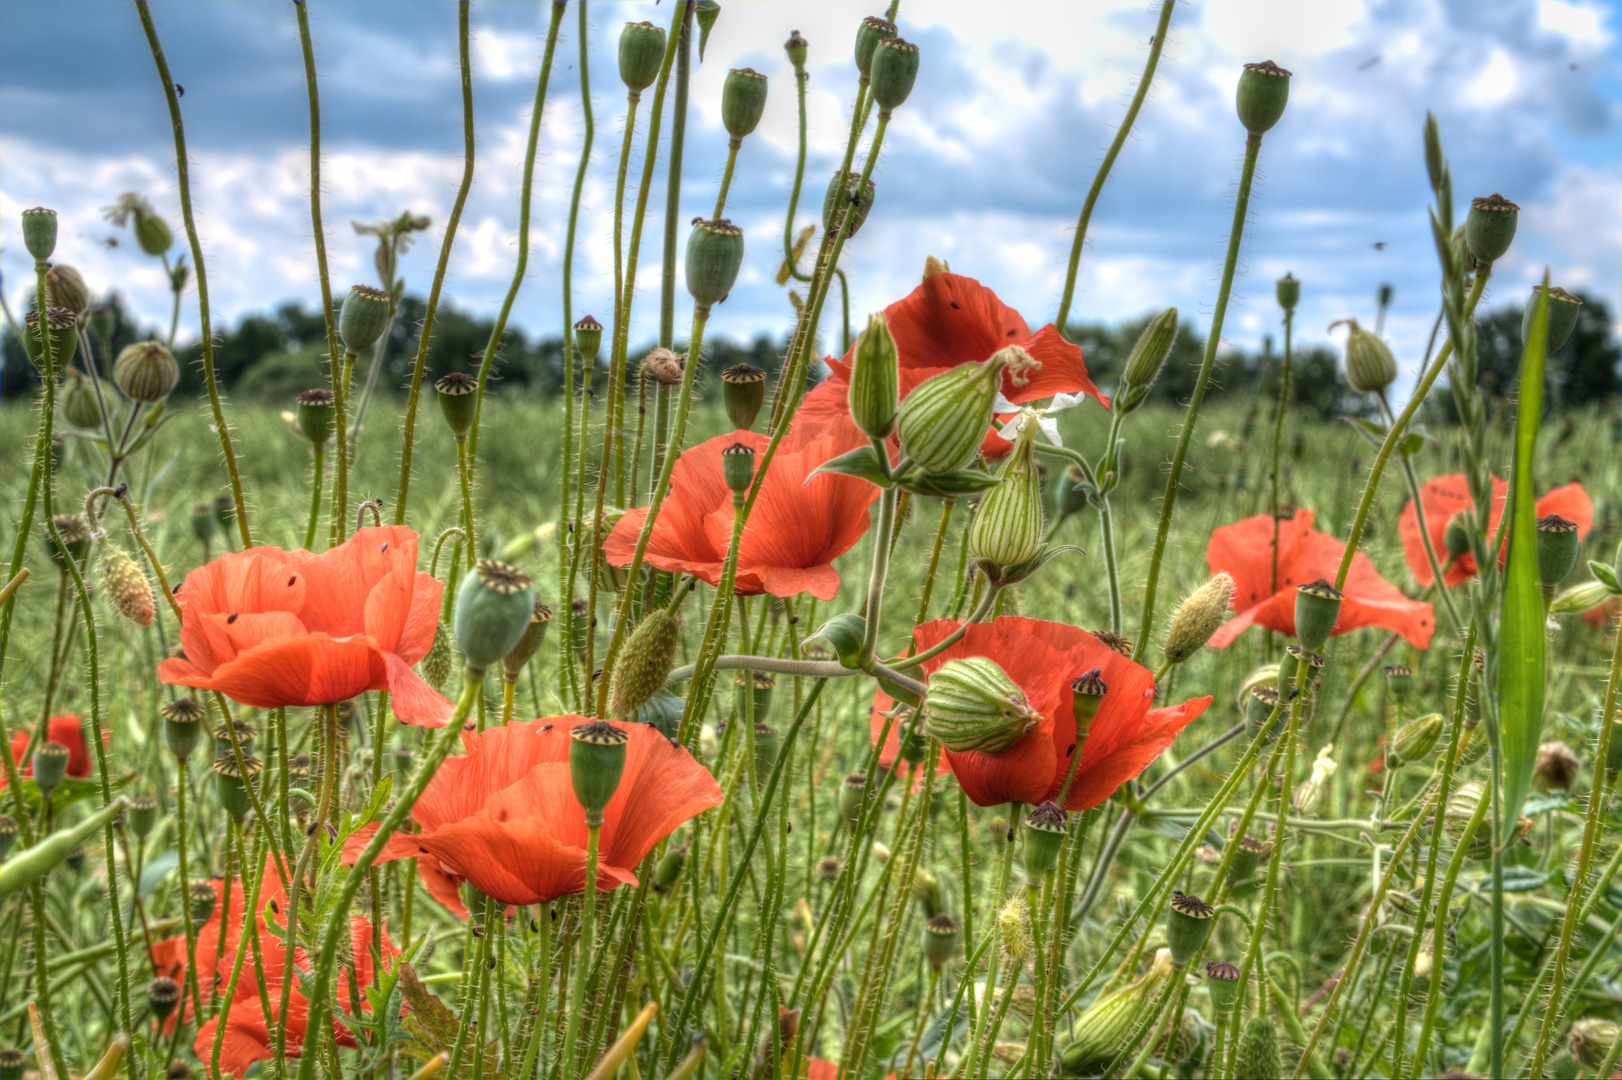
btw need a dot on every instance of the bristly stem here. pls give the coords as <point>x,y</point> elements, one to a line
<point>1278,435</point>
<point>318,474</point>
<point>588,921</point>
<point>678,140</point>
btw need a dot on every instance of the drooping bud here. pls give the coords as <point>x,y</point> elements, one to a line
<point>202,899</point>
<point>714,256</point>
<point>1563,311</point>
<point>972,704</point>
<point>875,394</point>
<point>1557,546</point>
<point>1148,357</point>
<point>146,371</point>
<point>50,766</point>
<point>1489,228</point>
<point>1308,796</point>
<point>1415,740</point>
<point>534,636</point>
<point>1317,607</point>
<point>1556,768</point>
<point>868,35</point>
<point>66,288</point>
<point>588,338</point>
<point>796,47</point>
<point>851,795</point>
<point>644,662</point>
<point>596,763</point>
<point>493,609</point>
<point>1258,1050</point>
<point>944,420</point>
<point>895,70</point>
<point>1370,367</point>
<point>39,232</point>
<point>1264,90</point>
<point>182,726</point>
<point>705,12</point>
<point>843,200</point>
<point>668,869</point>
<point>75,536</point>
<point>1198,617</point>
<point>1188,924</point>
<point>458,401</point>
<point>62,326</point>
<point>1046,827</point>
<point>940,940</point>
<point>642,54</point>
<point>1289,292</point>
<point>743,100</point>
<point>1007,528</point>
<point>1456,537</point>
<point>80,405</point>
<point>141,815</point>
<point>743,390</point>
<point>1592,1039</point>
<point>231,784</point>
<point>162,995</point>
<point>363,317</point>
<point>126,586</point>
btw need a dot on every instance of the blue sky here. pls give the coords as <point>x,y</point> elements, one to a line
<point>986,165</point>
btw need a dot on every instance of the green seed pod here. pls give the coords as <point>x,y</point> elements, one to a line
<point>75,536</point>
<point>1264,90</point>
<point>162,995</point>
<point>246,733</point>
<point>767,745</point>
<point>80,405</point>
<point>146,371</point>
<point>534,636</point>
<point>50,766</point>
<point>851,795</point>
<point>1592,1039</point>
<point>66,288</point>
<point>458,401</point>
<point>203,525</point>
<point>757,684</point>
<point>1489,228</point>
<point>1370,367</point>
<point>1046,827</point>
<point>1259,705</point>
<point>941,932</point>
<point>1317,607</point>
<point>743,100</point>
<point>644,662</point>
<point>493,609</point>
<point>225,512</point>
<point>1007,528</point>
<point>738,468</point>
<point>12,1061</point>
<point>1399,679</point>
<point>840,638</point>
<point>62,326</point>
<point>1259,1057</point>
<point>895,70</point>
<point>231,784</point>
<point>588,338</point>
<point>316,414</point>
<point>668,869</point>
<point>141,815</point>
<point>1222,983</point>
<point>714,256</point>
<point>1148,357</point>
<point>1105,1024</point>
<point>1415,740</point>
<point>596,763</point>
<point>1198,617</point>
<point>39,232</point>
<point>152,232</point>
<point>973,705</point>
<point>1557,546</point>
<point>795,47</point>
<point>363,317</point>
<point>944,420</point>
<point>1289,292</point>
<point>842,196</point>
<point>182,726</point>
<point>868,35</point>
<point>203,899</point>
<point>875,392</point>
<point>1188,924</point>
<point>743,390</point>
<point>642,54</point>
<point>8,834</point>
<point>581,625</point>
<point>1248,854</point>
<point>1563,311</point>
<point>1456,537</point>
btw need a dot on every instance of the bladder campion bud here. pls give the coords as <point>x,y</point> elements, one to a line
<point>868,35</point>
<point>1198,617</point>
<point>1289,292</point>
<point>1557,546</point>
<point>1592,1039</point>
<point>315,415</point>
<point>126,586</point>
<point>714,256</point>
<point>1370,367</point>
<point>1317,607</point>
<point>1489,228</point>
<point>493,609</point>
<point>458,401</point>
<point>146,371</point>
<point>1264,90</point>
<point>1046,827</point>
<point>895,69</point>
<point>972,704</point>
<point>67,289</point>
<point>1101,1029</point>
<point>1007,528</point>
<point>842,193</point>
<point>1148,357</point>
<point>642,54</point>
<point>1584,597</point>
<point>940,940</point>
<point>534,635</point>
<point>874,395</point>
<point>363,317</point>
<point>596,763</point>
<point>738,468</point>
<point>62,326</point>
<point>1415,740</point>
<point>39,229</point>
<point>644,662</point>
<point>1563,311</point>
<point>943,421</point>
<point>1309,796</point>
<point>743,390</point>
<point>743,100</point>
<point>79,401</point>
<point>795,47</point>
<point>588,338</point>
<point>1188,924</point>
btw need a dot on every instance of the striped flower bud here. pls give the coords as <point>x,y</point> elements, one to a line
<point>743,391</point>
<point>1105,1024</point>
<point>1148,358</point>
<point>874,394</point>
<point>972,704</point>
<point>1370,367</point>
<point>127,587</point>
<point>146,371</point>
<point>1489,228</point>
<point>868,35</point>
<point>66,288</point>
<point>641,55</point>
<point>1588,595</point>
<point>644,662</point>
<point>944,420</point>
<point>714,256</point>
<point>1198,617</point>
<point>493,609</point>
<point>363,317</point>
<point>596,764</point>
<point>743,100</point>
<point>1563,311</point>
<point>1264,90</point>
<point>80,405</point>
<point>1415,740</point>
<point>1007,527</point>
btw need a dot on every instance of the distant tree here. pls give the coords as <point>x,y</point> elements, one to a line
<point>1582,373</point>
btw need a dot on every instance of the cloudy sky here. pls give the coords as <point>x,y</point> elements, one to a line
<point>986,165</point>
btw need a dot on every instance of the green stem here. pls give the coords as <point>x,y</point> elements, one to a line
<point>320,460</point>
<point>678,141</point>
<point>1278,432</point>
<point>1433,997</point>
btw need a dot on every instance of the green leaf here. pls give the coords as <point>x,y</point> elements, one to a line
<point>949,485</point>
<point>708,11</point>
<point>1524,879</point>
<point>160,867</point>
<point>1522,642</point>
<point>862,463</point>
<point>1412,445</point>
<point>1542,804</point>
<point>1604,575</point>
<point>1371,431</point>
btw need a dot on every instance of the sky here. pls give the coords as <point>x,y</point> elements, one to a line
<point>986,165</point>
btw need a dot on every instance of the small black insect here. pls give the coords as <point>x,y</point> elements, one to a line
<point>180,91</point>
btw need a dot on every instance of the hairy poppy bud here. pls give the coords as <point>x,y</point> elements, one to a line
<point>146,371</point>
<point>363,317</point>
<point>895,69</point>
<point>231,784</point>
<point>436,666</point>
<point>1148,357</point>
<point>1370,367</point>
<point>588,338</point>
<point>714,256</point>
<point>203,525</point>
<point>66,288</point>
<point>1046,827</point>
<point>1489,228</point>
<point>50,766</point>
<point>245,736</point>
<point>1592,1039</point>
<point>944,420</point>
<point>743,100</point>
<point>62,326</point>
<point>1563,311</point>
<point>1399,679</point>
<point>39,232</point>
<point>972,704</point>
<point>141,815</point>
<point>8,834</point>
<point>1188,924</point>
<point>493,609</point>
<point>1007,528</point>
<point>842,199</point>
<point>126,586</point>
<point>162,995</point>
<point>1557,550</point>
<point>1264,90</point>
<point>851,794</point>
<point>1289,292</point>
<point>182,726</point>
<point>75,536</point>
<point>1317,607</point>
<point>202,900</point>
<point>1014,932</point>
<point>644,662</point>
<point>80,405</point>
<point>642,54</point>
<point>596,763</point>
<point>1198,617</point>
<point>1258,1050</point>
<point>874,393</point>
<point>1222,983</point>
<point>458,402</point>
<point>743,390</point>
<point>316,414</point>
<point>868,35</point>
<point>1456,537</point>
<point>940,940</point>
<point>1556,768</point>
<point>528,645</point>
<point>668,869</point>
<point>1415,740</point>
<point>796,47</point>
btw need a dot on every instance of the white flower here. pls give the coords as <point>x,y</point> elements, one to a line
<point>1042,415</point>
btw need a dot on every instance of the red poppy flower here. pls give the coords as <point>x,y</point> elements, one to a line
<point>67,730</point>
<point>505,817</point>
<point>949,320</point>
<point>1446,495</point>
<point>270,627</point>
<point>799,525</point>
<point>1042,658</point>
<point>1598,615</point>
<point>1244,550</point>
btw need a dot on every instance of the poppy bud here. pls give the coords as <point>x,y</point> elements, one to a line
<point>1087,696</point>
<point>944,420</point>
<point>1370,367</point>
<point>1289,292</point>
<point>842,198</point>
<point>152,232</point>
<point>75,537</point>
<point>588,338</point>
<point>528,645</point>
<point>743,390</point>
<point>1007,528</point>
<point>895,69</point>
<point>1399,679</point>
<point>66,288</point>
<point>315,415</point>
<point>182,726</point>
<point>162,995</point>
<point>80,405</point>
<point>795,47</point>
<point>840,638</point>
<point>1188,924</point>
<point>231,784</point>
<point>1556,768</point>
<point>1013,931</point>
<point>596,763</point>
<point>756,684</point>
<point>1456,537</point>
<point>62,325</point>
<point>868,35</point>
<point>363,317</point>
<point>126,586</point>
<point>1489,228</point>
<point>493,609</point>
<point>766,747</point>
<point>8,834</point>
<point>203,525</point>
<point>141,815</point>
<point>1584,597</point>
<point>39,232</point>
<point>714,255</point>
<point>851,794</point>
<point>668,869</point>
<point>940,940</point>
<point>738,469</point>
<point>642,54</point>
<point>1148,357</point>
<point>50,766</point>
<point>146,371</point>
<point>1563,311</point>
<point>1317,607</point>
<point>644,662</point>
<point>1264,90</point>
<point>225,512</point>
<point>1198,617</point>
<point>1258,1049</point>
<point>245,737</point>
<point>1557,550</point>
<point>202,899</point>
<point>458,402</point>
<point>874,380</point>
<point>972,704</point>
<point>743,100</point>
<point>1415,740</point>
<point>1592,1039</point>
<point>1046,827</point>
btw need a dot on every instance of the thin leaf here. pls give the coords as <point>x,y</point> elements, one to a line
<point>862,463</point>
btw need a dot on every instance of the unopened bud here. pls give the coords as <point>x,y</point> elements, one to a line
<point>874,394</point>
<point>1198,617</point>
<point>80,405</point>
<point>1148,358</point>
<point>1007,527</point>
<point>972,704</point>
<point>1370,367</point>
<point>1592,1039</point>
<point>1308,797</point>
<point>436,666</point>
<point>644,662</point>
<point>668,869</point>
<point>714,256</point>
<point>944,420</point>
<point>66,288</point>
<point>126,586</point>
<point>1415,740</point>
<point>1579,598</point>
<point>1013,931</point>
<point>743,100</point>
<point>1556,768</point>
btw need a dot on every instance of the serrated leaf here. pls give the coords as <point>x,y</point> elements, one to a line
<point>862,463</point>
<point>431,1026</point>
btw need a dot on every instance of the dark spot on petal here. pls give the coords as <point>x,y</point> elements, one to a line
<point>385,547</point>
<point>422,849</point>
<point>1070,751</point>
<point>231,618</point>
<point>291,580</point>
<point>954,306</point>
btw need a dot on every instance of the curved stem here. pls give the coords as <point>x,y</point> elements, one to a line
<point>789,261</point>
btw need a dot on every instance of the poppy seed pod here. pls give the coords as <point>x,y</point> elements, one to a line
<point>644,662</point>
<point>182,726</point>
<point>738,469</point>
<point>534,636</point>
<point>714,256</point>
<point>596,763</point>
<point>75,537</point>
<point>162,995</point>
<point>1046,827</point>
<point>874,394</point>
<point>1289,292</point>
<point>743,100</point>
<point>588,338</point>
<point>940,940</point>
<point>141,815</point>
<point>743,390</point>
<point>1456,537</point>
<point>493,609</point>
<point>1222,983</point>
<point>1415,740</point>
<point>63,327</point>
<point>1264,90</point>
<point>972,704</point>
<point>231,784</point>
<point>50,765</point>
<point>1399,679</point>
<point>146,371</point>
<point>795,47</point>
<point>363,317</point>
<point>767,744</point>
<point>842,194</point>
<point>8,834</point>
<point>758,685</point>
<point>202,899</point>
<point>1557,546</point>
<point>12,1061</point>
<point>1370,367</point>
<point>39,232</point>
<point>316,414</point>
<point>1259,705</point>
<point>851,793</point>
<point>1258,1054</point>
<point>642,54</point>
<point>80,405</point>
<point>245,737</point>
<point>1007,527</point>
<point>458,402</point>
<point>895,70</point>
<point>126,586</point>
<point>1317,607</point>
<point>1198,617</point>
<point>1148,357</point>
<point>1248,853</point>
<point>1489,228</point>
<point>1188,924</point>
<point>67,289</point>
<point>1087,697</point>
<point>1563,311</point>
<point>203,525</point>
<point>942,423</point>
<point>868,35</point>
<point>668,869</point>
